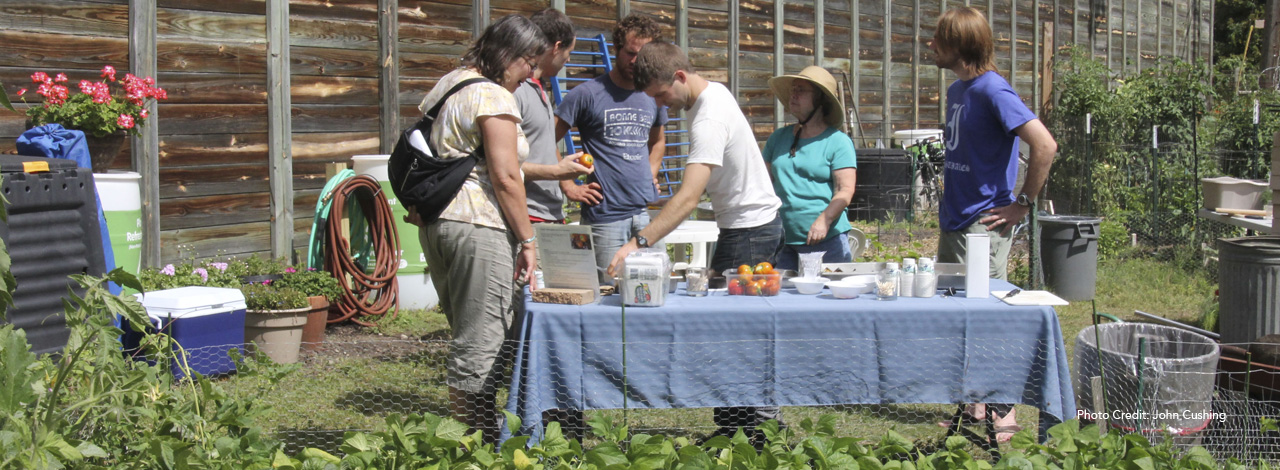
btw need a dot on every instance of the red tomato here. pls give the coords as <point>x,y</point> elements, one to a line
<point>735,288</point>
<point>757,287</point>
<point>744,272</point>
<point>587,160</point>
<point>772,286</point>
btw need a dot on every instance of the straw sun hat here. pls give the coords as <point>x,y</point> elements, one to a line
<point>822,80</point>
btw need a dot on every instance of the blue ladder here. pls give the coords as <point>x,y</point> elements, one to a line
<point>599,60</point>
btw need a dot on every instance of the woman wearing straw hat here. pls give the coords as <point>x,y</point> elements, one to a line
<point>813,167</point>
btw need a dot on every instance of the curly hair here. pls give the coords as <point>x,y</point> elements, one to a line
<point>642,26</point>
<point>511,38</point>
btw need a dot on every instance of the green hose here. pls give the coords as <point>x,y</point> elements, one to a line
<point>315,248</point>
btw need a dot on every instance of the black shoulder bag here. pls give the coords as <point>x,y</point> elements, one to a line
<point>419,177</point>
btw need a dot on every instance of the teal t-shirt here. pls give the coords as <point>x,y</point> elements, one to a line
<point>804,182</point>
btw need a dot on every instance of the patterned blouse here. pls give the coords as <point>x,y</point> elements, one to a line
<point>457,133</point>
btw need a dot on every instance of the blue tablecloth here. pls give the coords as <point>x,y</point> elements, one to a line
<point>790,350</point>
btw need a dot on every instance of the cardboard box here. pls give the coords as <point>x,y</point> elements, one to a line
<point>204,322</point>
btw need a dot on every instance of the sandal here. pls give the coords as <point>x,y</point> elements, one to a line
<point>974,413</point>
<point>1004,432</point>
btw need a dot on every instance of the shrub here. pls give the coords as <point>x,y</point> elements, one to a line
<point>263,297</point>
<point>311,282</point>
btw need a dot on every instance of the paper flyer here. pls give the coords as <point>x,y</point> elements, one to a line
<point>567,257</point>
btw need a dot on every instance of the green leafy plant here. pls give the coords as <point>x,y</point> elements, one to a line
<point>311,282</point>
<point>100,108</point>
<point>267,297</point>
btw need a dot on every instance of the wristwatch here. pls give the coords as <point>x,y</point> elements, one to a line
<point>1023,200</point>
<point>642,241</point>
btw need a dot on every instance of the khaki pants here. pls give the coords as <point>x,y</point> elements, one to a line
<point>952,248</point>
<point>473,267</point>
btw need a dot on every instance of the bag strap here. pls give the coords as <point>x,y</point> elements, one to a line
<point>435,110</point>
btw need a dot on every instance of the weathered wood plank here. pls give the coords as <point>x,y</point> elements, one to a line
<point>179,151</point>
<point>191,25</point>
<point>232,179</point>
<point>226,240</point>
<point>57,51</point>
<point>66,17</point>
<point>193,212</point>
<point>144,147</point>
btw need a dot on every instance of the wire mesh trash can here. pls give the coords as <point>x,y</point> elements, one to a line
<point>1069,251</point>
<point>1248,288</point>
<point>1170,395</point>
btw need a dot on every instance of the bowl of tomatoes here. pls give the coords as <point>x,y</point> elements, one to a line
<point>759,280</point>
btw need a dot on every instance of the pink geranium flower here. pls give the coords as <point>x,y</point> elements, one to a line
<point>125,121</point>
<point>109,72</point>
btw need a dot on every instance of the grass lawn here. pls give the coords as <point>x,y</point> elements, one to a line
<point>363,375</point>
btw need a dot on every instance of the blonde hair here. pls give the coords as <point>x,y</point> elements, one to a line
<point>965,32</point>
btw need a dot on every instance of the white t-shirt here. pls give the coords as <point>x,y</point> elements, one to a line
<point>719,135</point>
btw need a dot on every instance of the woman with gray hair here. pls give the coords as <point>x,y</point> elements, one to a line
<point>482,244</point>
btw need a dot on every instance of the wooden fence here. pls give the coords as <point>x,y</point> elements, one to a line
<point>234,160</point>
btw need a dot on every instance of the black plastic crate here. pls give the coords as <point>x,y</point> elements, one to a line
<point>52,233</point>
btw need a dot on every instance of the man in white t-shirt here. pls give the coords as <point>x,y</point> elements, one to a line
<point>724,159</point>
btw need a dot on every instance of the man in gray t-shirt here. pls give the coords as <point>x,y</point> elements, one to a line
<point>544,166</point>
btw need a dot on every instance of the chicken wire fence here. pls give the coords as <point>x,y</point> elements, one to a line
<point>1185,389</point>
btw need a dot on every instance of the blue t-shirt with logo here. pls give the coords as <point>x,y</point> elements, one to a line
<point>982,150</point>
<point>614,125</point>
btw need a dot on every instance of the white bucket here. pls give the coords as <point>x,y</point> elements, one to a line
<point>416,290</point>
<point>121,195</point>
<point>903,139</point>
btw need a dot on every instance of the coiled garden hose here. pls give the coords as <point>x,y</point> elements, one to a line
<point>368,291</point>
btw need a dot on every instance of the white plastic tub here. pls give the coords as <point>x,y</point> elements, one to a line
<point>1232,193</point>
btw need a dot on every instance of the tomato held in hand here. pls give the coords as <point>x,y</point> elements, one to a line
<point>587,160</point>
<point>764,267</point>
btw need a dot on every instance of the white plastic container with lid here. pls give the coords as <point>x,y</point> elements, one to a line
<point>205,322</point>
<point>926,282</point>
<point>644,279</point>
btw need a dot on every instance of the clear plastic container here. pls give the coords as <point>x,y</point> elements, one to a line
<point>764,285</point>
<point>888,281</point>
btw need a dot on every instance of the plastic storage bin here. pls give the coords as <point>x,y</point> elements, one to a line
<point>1232,193</point>
<point>205,322</point>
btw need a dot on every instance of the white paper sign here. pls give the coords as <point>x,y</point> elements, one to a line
<point>977,264</point>
<point>567,257</point>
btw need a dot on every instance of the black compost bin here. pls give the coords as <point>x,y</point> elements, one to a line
<point>52,233</point>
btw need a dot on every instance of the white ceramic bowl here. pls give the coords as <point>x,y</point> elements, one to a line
<point>846,289</point>
<point>860,279</point>
<point>809,285</point>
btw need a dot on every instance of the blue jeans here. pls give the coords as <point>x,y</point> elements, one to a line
<point>610,236</point>
<point>734,247</point>
<point>837,249</point>
<point>738,246</point>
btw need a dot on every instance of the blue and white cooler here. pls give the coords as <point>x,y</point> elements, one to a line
<point>205,322</point>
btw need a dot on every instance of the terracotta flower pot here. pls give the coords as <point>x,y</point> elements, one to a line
<point>103,150</point>
<point>276,333</point>
<point>317,319</point>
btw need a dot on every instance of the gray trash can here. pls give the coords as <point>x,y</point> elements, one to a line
<point>1248,288</point>
<point>1178,373</point>
<point>1069,253</point>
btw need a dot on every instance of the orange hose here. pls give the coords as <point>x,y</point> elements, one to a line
<point>366,297</point>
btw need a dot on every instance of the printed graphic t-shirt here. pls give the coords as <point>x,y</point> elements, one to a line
<point>614,125</point>
<point>982,150</point>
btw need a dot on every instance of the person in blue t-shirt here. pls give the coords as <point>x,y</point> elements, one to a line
<point>813,167</point>
<point>622,128</point>
<point>985,120</point>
